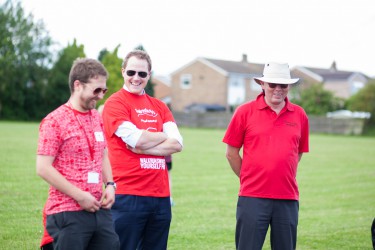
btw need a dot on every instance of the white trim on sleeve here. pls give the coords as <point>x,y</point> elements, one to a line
<point>129,133</point>
<point>171,129</point>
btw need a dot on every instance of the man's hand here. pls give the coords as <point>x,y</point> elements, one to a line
<point>108,197</point>
<point>168,147</point>
<point>88,202</point>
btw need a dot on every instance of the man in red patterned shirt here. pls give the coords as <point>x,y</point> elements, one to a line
<point>72,158</point>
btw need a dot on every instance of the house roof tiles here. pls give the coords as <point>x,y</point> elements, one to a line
<point>330,74</point>
<point>238,67</point>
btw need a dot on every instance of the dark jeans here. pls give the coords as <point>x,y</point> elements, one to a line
<point>254,215</point>
<point>142,222</point>
<point>80,230</point>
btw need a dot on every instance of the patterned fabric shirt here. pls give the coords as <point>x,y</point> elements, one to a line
<point>77,142</point>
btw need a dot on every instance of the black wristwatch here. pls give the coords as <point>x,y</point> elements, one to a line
<point>111,183</point>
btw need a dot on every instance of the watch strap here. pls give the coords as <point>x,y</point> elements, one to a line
<point>111,183</point>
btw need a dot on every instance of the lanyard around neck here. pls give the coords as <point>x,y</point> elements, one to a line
<point>91,148</point>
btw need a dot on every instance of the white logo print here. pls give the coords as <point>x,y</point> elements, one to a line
<point>147,112</point>
<point>148,116</point>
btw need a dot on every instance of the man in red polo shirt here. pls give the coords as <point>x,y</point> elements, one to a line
<point>273,133</point>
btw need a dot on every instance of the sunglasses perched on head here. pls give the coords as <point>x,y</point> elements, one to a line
<point>273,85</point>
<point>141,74</point>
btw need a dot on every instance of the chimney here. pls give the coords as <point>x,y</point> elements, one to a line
<point>244,58</point>
<point>333,67</point>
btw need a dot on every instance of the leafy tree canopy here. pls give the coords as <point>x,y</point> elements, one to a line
<point>57,91</point>
<point>24,60</point>
<point>113,65</point>
<point>317,101</point>
<point>364,100</point>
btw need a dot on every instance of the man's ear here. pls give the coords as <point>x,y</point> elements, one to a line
<point>76,85</point>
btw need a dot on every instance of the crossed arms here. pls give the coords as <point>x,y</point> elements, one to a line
<point>152,143</point>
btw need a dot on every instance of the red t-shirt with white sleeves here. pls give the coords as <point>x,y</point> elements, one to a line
<point>136,174</point>
<point>77,142</point>
<point>271,143</point>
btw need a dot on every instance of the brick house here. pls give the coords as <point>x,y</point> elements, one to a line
<point>162,88</point>
<point>342,83</point>
<point>227,84</point>
<point>207,81</point>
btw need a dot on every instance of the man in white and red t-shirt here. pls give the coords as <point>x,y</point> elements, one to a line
<point>140,131</point>
<point>72,158</point>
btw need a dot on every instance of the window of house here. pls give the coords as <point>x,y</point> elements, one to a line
<point>255,86</point>
<point>185,81</point>
<point>236,90</point>
<point>357,86</point>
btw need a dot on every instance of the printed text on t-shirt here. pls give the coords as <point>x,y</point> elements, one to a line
<point>152,163</point>
<point>147,112</point>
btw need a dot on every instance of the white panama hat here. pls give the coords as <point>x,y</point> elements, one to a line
<point>276,73</point>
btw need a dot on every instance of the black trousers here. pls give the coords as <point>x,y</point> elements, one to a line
<point>48,246</point>
<point>373,233</point>
<point>81,230</point>
<point>255,215</point>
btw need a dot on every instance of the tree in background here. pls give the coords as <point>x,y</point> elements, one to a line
<point>150,86</point>
<point>24,62</point>
<point>113,65</point>
<point>57,90</point>
<point>364,100</point>
<point>102,53</point>
<point>29,87</point>
<point>317,101</point>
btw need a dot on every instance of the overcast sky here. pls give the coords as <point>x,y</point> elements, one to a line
<point>174,32</point>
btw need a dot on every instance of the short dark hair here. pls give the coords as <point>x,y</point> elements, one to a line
<point>84,69</point>
<point>140,54</point>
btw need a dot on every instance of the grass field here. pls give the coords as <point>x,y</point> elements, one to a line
<point>336,179</point>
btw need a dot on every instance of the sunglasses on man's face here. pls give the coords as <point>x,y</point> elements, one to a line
<point>141,74</point>
<point>273,85</point>
<point>97,91</point>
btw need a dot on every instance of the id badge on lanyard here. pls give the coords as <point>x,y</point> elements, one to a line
<point>93,177</point>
